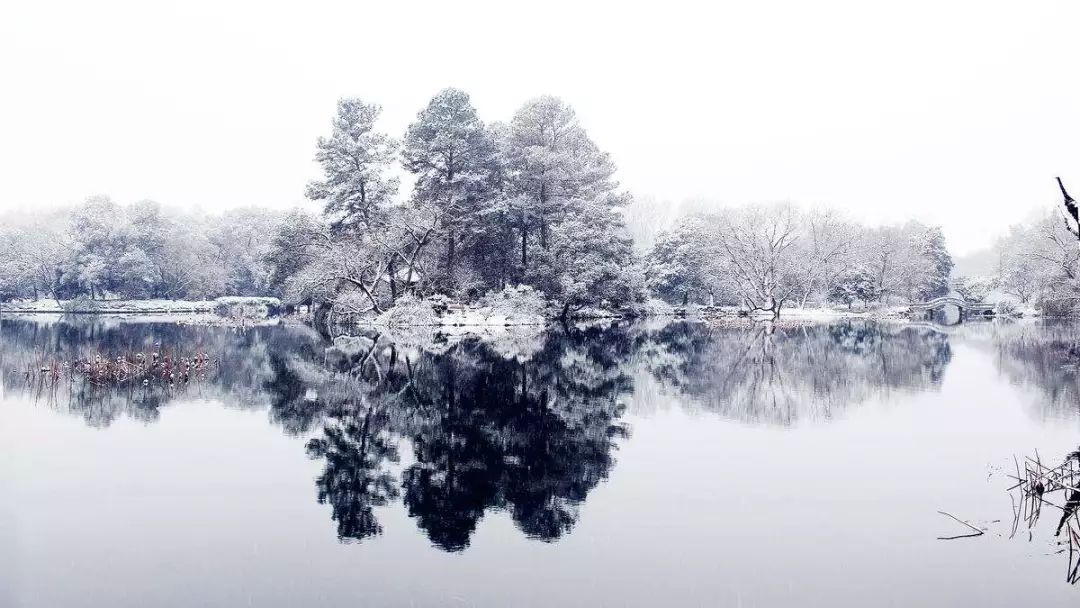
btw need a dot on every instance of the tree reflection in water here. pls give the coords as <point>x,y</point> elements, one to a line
<point>530,435</point>
<point>782,374</point>
<point>527,425</point>
<point>239,382</point>
<point>1045,358</point>
<point>356,448</point>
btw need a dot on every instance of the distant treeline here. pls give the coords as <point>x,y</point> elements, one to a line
<point>141,250</point>
<point>767,256</point>
<point>531,201</point>
<point>1036,263</point>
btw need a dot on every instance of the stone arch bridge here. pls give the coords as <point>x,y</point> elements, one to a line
<point>951,309</point>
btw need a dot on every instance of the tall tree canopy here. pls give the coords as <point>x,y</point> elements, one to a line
<point>355,160</point>
<point>551,165</point>
<point>454,160</point>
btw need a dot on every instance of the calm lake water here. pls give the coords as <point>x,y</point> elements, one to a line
<point>636,465</point>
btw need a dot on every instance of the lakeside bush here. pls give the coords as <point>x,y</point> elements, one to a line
<point>1052,306</point>
<point>519,304</point>
<point>410,310</point>
<point>81,304</point>
<point>1006,308</point>
<point>248,307</point>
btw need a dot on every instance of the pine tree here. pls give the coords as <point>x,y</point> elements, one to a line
<point>456,167</point>
<point>355,160</point>
<point>552,165</point>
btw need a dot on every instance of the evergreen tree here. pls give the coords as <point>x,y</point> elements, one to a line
<point>552,165</point>
<point>453,158</point>
<point>355,160</point>
<point>936,282</point>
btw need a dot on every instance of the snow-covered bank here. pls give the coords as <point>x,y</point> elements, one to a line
<point>793,313</point>
<point>239,307</point>
<point>815,314</point>
<point>825,314</point>
<point>110,306</point>
<point>514,307</point>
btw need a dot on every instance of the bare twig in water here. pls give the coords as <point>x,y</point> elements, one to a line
<point>976,531</point>
<point>1038,484</point>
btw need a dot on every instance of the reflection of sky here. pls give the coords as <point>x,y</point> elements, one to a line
<point>698,510</point>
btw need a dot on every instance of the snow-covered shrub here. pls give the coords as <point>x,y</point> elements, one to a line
<point>520,305</point>
<point>1052,307</point>
<point>410,310</point>
<point>81,303</point>
<point>248,307</point>
<point>855,285</point>
<point>652,307</point>
<point>468,284</point>
<point>974,289</point>
<point>439,303</point>
<point>1006,308</point>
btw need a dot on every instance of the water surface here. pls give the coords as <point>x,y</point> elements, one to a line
<point>633,465</point>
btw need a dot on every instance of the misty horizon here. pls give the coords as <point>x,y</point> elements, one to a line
<point>955,115</point>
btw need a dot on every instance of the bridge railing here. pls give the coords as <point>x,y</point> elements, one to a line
<point>946,300</point>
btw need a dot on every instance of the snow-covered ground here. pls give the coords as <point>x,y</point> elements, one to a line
<point>253,308</point>
<point>824,314</point>
<point>114,306</point>
<point>796,313</point>
<point>478,317</point>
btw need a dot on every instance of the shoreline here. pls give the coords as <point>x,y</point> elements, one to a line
<point>266,311</point>
<point>223,306</point>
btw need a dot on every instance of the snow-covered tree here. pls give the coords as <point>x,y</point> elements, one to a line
<point>854,285</point>
<point>758,243</point>
<point>935,282</point>
<point>824,251</point>
<point>454,160</point>
<point>592,261</point>
<point>684,264</point>
<point>356,161</point>
<point>909,262</point>
<point>973,289</point>
<point>241,244</point>
<point>1040,262</point>
<point>764,256</point>
<point>551,164</point>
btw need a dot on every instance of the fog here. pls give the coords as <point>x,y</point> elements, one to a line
<point>956,113</point>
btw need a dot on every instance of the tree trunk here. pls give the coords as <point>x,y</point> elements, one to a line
<point>393,281</point>
<point>543,218</point>
<point>524,245</point>
<point>450,253</point>
<point>804,298</point>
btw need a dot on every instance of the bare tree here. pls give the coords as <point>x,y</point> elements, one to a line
<point>827,239</point>
<point>759,245</point>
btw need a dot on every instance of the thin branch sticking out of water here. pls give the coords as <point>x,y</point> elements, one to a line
<point>976,531</point>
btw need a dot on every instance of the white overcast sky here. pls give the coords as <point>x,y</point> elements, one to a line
<point>955,113</point>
